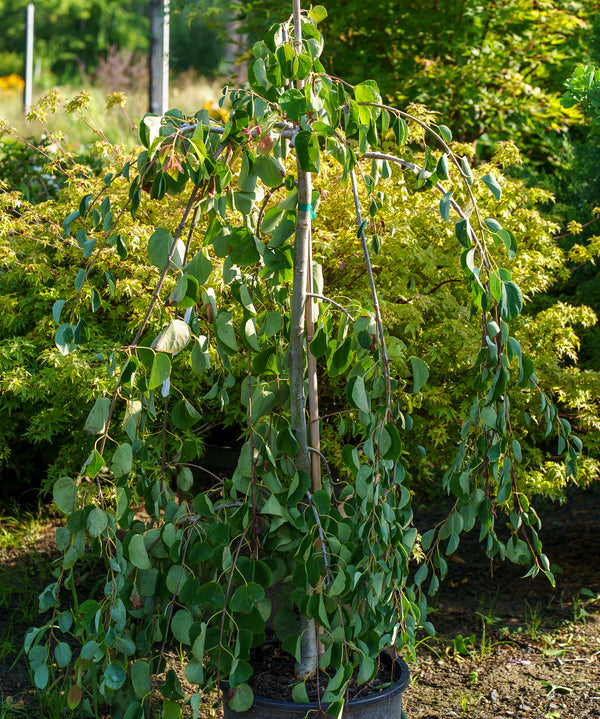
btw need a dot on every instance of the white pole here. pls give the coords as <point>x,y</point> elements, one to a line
<point>166,26</point>
<point>27,97</point>
<point>159,56</point>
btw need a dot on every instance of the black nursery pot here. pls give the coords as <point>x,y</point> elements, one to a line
<point>386,704</point>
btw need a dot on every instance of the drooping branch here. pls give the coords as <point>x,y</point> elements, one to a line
<point>416,169</point>
<point>378,320</point>
<point>163,276</point>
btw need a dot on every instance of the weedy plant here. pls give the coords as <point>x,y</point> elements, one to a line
<point>281,547</point>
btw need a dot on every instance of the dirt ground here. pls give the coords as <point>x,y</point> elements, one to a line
<point>505,646</point>
<point>527,650</point>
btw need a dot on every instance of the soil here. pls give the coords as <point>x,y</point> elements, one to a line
<point>505,646</point>
<point>273,668</point>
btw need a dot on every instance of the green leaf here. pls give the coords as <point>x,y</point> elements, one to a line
<point>140,678</point>
<point>272,323</point>
<point>89,650</point>
<point>93,463</point>
<point>181,624</point>
<point>64,494</point>
<point>128,370</point>
<point>240,698</point>
<point>496,284</point>
<point>185,293</point>
<point>246,299</point>
<point>200,357</point>
<point>63,539</point>
<point>135,711</point>
<point>420,373</point>
<point>299,693</point>
<point>199,267</point>
<point>445,133</point>
<point>79,280</point>
<point>492,184</point>
<point>269,170</point>
<point>242,671</point>
<point>137,552</point>
<point>194,673</point>
<point>293,103</point>
<point>171,709</point>
<point>368,669</point>
<point>307,150</point>
<point>56,310</point>
<point>244,249</point>
<point>114,676</point>
<point>98,416</point>
<point>62,652</point>
<point>445,205</point>
<point>212,592</point>
<point>359,395</point>
<point>273,506</point>
<point>97,522</point>
<point>420,574</point>
<point>173,338</point>
<point>338,585</point>
<point>185,479</point>
<point>292,644</point>
<point>463,232</point>
<point>393,449</point>
<point>184,415</point>
<point>41,676</point>
<point>317,13</point>
<point>250,336</point>
<point>121,247</point>
<point>367,92</point>
<point>122,460</point>
<point>512,301</point>
<point>68,221</point>
<point>516,450</point>
<point>81,333</point>
<point>287,442</point>
<point>466,168</point>
<point>226,332</point>
<point>489,417</point>
<point>161,370</point>
<point>95,300</point>
<point>65,339</point>
<point>159,248</point>
<point>171,689</point>
<point>245,597</point>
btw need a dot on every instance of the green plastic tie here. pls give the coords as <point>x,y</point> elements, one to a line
<point>307,207</point>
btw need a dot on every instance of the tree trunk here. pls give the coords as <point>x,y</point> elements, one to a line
<point>302,266</point>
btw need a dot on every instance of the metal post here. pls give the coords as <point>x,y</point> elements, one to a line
<point>28,92</point>
<point>159,56</point>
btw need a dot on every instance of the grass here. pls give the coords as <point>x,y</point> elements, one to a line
<point>22,528</point>
<point>188,93</point>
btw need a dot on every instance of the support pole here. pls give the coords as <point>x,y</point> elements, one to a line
<point>28,90</point>
<point>166,28</point>
<point>159,56</point>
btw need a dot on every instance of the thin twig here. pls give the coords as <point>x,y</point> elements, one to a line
<point>332,302</point>
<point>321,539</point>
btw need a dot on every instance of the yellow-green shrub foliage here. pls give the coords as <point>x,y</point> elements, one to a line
<point>426,315</point>
<point>45,396</point>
